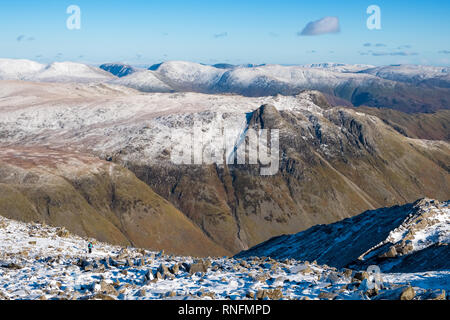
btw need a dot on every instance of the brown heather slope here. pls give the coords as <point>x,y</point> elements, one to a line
<point>94,198</point>
<point>430,126</point>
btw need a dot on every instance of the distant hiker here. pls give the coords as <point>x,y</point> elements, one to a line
<point>90,247</point>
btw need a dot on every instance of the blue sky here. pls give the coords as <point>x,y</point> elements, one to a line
<point>145,32</point>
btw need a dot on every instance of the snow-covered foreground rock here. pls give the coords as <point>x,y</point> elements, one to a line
<point>41,262</point>
<point>409,238</point>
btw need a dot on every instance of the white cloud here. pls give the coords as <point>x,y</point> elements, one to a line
<point>220,35</point>
<point>395,53</point>
<point>322,26</point>
<point>23,37</point>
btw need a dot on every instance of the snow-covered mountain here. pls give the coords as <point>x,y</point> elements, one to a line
<point>409,238</point>
<point>339,67</point>
<point>145,81</point>
<point>347,82</point>
<point>415,74</point>
<point>11,69</point>
<point>71,72</point>
<point>405,88</point>
<point>188,76</point>
<point>233,66</point>
<point>40,262</point>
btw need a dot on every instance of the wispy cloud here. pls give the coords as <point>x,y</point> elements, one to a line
<point>220,35</point>
<point>24,37</point>
<point>444,52</point>
<point>394,53</point>
<point>378,45</point>
<point>322,26</point>
<point>406,46</point>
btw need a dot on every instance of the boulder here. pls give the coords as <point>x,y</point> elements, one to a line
<point>391,253</point>
<point>438,294</point>
<point>274,294</point>
<point>10,265</point>
<point>400,293</point>
<point>348,273</point>
<point>163,270</point>
<point>102,296</point>
<point>112,262</point>
<point>327,295</point>
<point>333,277</point>
<point>407,293</point>
<point>108,288</point>
<point>199,266</point>
<point>175,268</point>
<point>62,233</point>
<point>360,276</point>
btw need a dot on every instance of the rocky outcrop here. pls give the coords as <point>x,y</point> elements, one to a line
<point>410,238</point>
<point>56,268</point>
<point>332,166</point>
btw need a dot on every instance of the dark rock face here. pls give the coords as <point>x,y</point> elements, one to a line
<point>117,69</point>
<point>199,266</point>
<point>331,167</point>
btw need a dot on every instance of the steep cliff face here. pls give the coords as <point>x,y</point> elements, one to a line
<point>333,164</point>
<point>94,198</point>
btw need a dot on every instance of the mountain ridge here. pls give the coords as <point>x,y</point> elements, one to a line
<point>409,238</point>
<point>406,88</point>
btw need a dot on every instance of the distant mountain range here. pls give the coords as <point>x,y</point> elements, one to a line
<point>401,87</point>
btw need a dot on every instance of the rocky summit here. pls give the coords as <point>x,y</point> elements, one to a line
<point>39,262</point>
<point>410,238</point>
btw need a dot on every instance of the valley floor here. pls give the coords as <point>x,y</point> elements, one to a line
<point>42,262</point>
